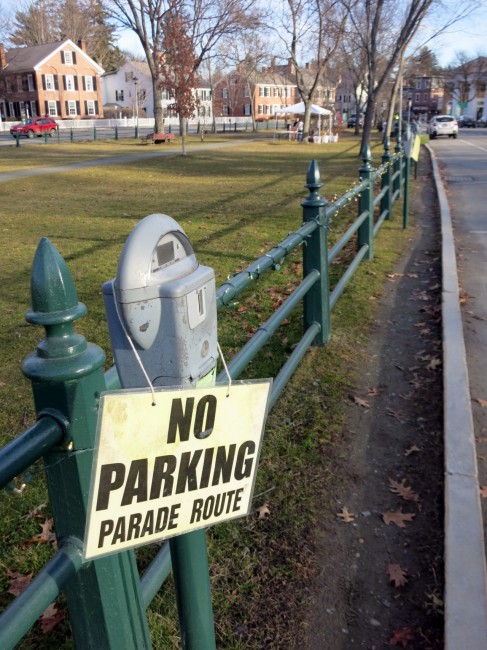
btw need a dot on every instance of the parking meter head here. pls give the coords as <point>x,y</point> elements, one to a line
<point>165,302</point>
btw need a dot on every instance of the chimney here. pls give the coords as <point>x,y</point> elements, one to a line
<point>3,58</point>
<point>82,44</point>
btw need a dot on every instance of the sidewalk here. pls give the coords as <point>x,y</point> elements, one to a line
<point>414,512</point>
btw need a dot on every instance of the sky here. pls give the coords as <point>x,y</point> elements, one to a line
<point>469,35</point>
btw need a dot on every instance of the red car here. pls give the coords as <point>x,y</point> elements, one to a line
<point>35,126</point>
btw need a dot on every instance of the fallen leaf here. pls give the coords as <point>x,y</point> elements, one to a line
<point>397,575</point>
<point>399,518</point>
<point>18,582</point>
<point>482,402</point>
<point>346,516</point>
<point>411,450</point>
<point>360,402</point>
<point>404,491</point>
<point>47,535</point>
<point>483,491</point>
<point>399,415</point>
<point>35,514</point>
<point>51,618</point>
<point>402,636</point>
<point>433,364</point>
<point>373,392</point>
<point>263,511</point>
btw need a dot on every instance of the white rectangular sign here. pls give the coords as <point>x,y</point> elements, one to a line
<point>185,463</point>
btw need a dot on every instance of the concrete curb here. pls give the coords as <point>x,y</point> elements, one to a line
<point>465,563</point>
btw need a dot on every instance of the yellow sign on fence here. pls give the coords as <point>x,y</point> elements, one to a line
<point>187,462</point>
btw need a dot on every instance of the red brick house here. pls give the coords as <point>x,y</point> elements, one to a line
<point>56,79</point>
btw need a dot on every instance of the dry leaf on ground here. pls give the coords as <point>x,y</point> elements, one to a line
<point>402,636</point>
<point>360,402</point>
<point>346,516</point>
<point>483,491</point>
<point>397,575</point>
<point>482,402</point>
<point>263,511</point>
<point>18,582</point>
<point>51,618</point>
<point>47,535</point>
<point>399,518</point>
<point>404,491</point>
<point>411,450</point>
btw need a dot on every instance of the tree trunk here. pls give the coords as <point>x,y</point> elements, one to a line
<point>158,112</point>
<point>182,126</point>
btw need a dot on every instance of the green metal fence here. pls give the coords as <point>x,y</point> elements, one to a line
<point>106,598</point>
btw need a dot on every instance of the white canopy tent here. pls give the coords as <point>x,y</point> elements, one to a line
<point>300,109</point>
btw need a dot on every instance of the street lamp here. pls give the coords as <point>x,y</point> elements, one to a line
<point>136,106</point>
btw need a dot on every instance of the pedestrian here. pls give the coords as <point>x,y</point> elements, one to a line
<point>300,126</point>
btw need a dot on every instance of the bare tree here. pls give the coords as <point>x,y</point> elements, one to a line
<point>209,21</point>
<point>177,68</point>
<point>310,32</point>
<point>33,24</point>
<point>381,26</point>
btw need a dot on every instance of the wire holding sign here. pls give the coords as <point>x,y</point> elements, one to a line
<point>185,466</point>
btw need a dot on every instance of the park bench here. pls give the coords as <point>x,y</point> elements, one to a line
<point>157,138</point>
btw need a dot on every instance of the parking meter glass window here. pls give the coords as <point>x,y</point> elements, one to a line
<point>171,247</point>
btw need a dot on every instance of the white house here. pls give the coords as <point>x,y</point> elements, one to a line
<point>129,91</point>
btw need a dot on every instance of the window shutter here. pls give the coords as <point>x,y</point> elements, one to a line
<point>43,82</point>
<point>56,82</point>
<point>74,58</point>
<point>64,82</point>
<point>46,108</point>
<point>86,107</point>
<point>75,82</point>
<point>96,107</point>
<point>62,56</point>
<point>77,108</point>
<point>66,105</point>
<point>84,82</point>
<point>94,83</point>
<point>58,108</point>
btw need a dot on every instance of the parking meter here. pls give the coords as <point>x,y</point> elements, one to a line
<point>165,302</point>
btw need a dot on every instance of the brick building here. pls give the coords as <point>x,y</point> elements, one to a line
<point>56,79</point>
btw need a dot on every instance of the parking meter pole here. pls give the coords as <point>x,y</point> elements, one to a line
<point>166,302</point>
<point>192,581</point>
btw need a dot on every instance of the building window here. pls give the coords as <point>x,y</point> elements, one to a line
<point>225,93</point>
<point>69,82</point>
<point>90,107</point>
<point>417,98</point>
<point>119,95</point>
<point>33,108</point>
<point>68,58</point>
<point>246,92</point>
<point>72,108</point>
<point>49,82</point>
<point>260,109</point>
<point>30,82</point>
<point>247,109</point>
<point>226,110</point>
<point>267,91</point>
<point>19,83</point>
<point>89,83</point>
<point>129,76</point>
<point>52,108</point>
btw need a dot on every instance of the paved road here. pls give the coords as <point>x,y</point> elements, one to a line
<point>464,166</point>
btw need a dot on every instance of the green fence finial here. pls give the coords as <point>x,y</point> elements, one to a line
<point>54,296</point>
<point>313,180</point>
<point>387,144</point>
<point>366,158</point>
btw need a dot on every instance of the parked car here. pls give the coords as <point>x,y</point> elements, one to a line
<point>443,125</point>
<point>352,121</point>
<point>35,126</point>
<point>466,121</point>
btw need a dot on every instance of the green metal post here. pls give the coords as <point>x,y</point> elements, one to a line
<point>192,582</point>
<point>365,233</point>
<point>67,377</point>
<point>17,138</point>
<point>116,131</point>
<point>386,201</point>
<point>398,168</point>
<point>407,181</point>
<point>315,256</point>
<point>46,135</point>
<point>198,128</point>
<point>94,133</point>
<point>72,136</point>
<point>136,135</point>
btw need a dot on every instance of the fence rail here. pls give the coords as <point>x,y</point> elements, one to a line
<point>66,381</point>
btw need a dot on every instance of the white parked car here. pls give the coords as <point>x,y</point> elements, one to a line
<point>443,125</point>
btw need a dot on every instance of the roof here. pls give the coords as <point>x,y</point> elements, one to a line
<point>21,59</point>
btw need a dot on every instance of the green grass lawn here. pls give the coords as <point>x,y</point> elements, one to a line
<point>234,203</point>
